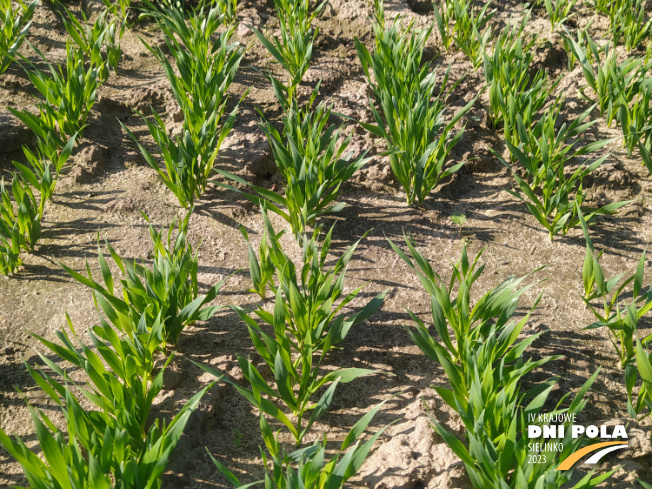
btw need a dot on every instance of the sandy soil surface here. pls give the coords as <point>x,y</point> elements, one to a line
<point>108,183</point>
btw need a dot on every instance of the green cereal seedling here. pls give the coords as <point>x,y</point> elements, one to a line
<point>168,289</point>
<point>100,41</point>
<point>306,323</point>
<point>559,11</point>
<point>292,49</point>
<point>206,63</point>
<point>410,117</point>
<point>68,94</point>
<point>621,319</point>
<point>15,21</point>
<point>308,467</point>
<point>513,92</point>
<point>485,365</point>
<point>312,156</point>
<point>553,190</point>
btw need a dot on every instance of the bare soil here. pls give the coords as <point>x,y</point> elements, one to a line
<point>109,183</point>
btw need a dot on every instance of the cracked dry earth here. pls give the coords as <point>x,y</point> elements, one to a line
<point>108,183</point>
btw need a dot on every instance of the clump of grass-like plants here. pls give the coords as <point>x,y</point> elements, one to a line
<point>627,21</point>
<point>207,63</point>
<point>308,467</point>
<point>99,41</point>
<point>294,340</point>
<point>292,49</point>
<point>312,157</point>
<point>109,439</point>
<point>559,11</point>
<point>513,92</point>
<point>460,22</point>
<point>67,92</point>
<point>613,83</point>
<point>22,204</point>
<point>623,91</point>
<point>621,319</point>
<point>550,141</point>
<point>635,119</point>
<point>644,397</point>
<point>20,223</point>
<point>552,188</point>
<point>15,21</point>
<point>229,9</point>
<point>114,444</point>
<point>479,349</point>
<point>409,116</point>
<point>168,289</point>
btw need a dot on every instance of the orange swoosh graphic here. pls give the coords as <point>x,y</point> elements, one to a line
<point>575,456</point>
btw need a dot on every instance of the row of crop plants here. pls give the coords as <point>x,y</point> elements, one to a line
<point>115,444</point>
<point>409,116</point>
<point>478,346</point>
<point>66,95</point>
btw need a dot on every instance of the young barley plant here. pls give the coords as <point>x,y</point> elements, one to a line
<point>459,21</point>
<point>554,202</point>
<point>15,20</point>
<point>122,384</point>
<point>552,189</point>
<point>635,118</point>
<point>9,249</point>
<point>513,92</point>
<point>636,122</point>
<point>484,362</point>
<point>313,159</point>
<point>205,58</point>
<point>116,442</point>
<point>51,145</point>
<point>168,288</point>
<point>471,33</point>
<point>229,9</point>
<point>550,143</point>
<point>602,6</point>
<point>119,8</point>
<point>623,90</point>
<point>445,19</point>
<point>581,41</point>
<point>307,467</point>
<point>620,318</point>
<point>293,340</point>
<point>411,117</point>
<point>613,84</point>
<point>185,173</point>
<point>45,165</point>
<point>464,331</point>
<point>207,64</point>
<point>88,458</point>
<point>100,42</point>
<point>559,11</point>
<point>495,416</point>
<point>68,95</point>
<point>261,269</point>
<point>20,211</point>
<point>293,48</point>
<point>630,22</point>
<point>644,371</point>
